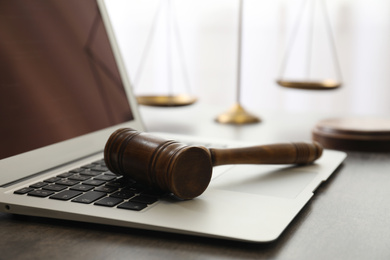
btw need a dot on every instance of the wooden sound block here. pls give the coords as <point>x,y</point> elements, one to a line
<point>354,134</point>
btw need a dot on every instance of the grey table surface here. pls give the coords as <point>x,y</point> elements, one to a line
<point>348,218</point>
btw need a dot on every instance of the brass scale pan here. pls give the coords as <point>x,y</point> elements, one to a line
<point>166,101</point>
<point>310,85</point>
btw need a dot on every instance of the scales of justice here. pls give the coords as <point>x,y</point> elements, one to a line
<point>341,133</point>
<point>236,114</point>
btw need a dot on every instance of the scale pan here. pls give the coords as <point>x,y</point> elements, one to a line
<point>166,101</point>
<point>328,84</point>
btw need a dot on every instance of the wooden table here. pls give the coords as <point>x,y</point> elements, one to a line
<point>348,218</point>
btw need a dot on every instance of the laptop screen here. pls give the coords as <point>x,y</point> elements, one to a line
<point>58,76</point>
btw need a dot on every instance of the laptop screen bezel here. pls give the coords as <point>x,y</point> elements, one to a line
<point>39,160</point>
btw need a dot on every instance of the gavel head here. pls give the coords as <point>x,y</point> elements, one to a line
<point>162,164</point>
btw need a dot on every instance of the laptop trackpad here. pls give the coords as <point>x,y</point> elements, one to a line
<point>285,182</point>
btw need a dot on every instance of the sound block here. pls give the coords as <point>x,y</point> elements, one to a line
<point>354,134</point>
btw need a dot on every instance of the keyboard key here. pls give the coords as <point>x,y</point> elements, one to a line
<point>89,197</point>
<point>154,193</point>
<point>105,178</point>
<point>106,189</point>
<point>38,185</point>
<point>88,172</point>
<point>82,187</point>
<point>55,187</point>
<point>94,182</point>
<point>78,177</point>
<point>119,183</point>
<point>108,202</point>
<point>67,182</point>
<point>23,191</point>
<point>99,168</point>
<point>137,188</point>
<point>52,179</point>
<point>101,162</point>
<point>66,195</point>
<point>65,174</point>
<point>110,173</point>
<point>88,166</point>
<point>77,170</point>
<point>123,194</point>
<point>144,199</point>
<point>40,193</point>
<point>132,206</point>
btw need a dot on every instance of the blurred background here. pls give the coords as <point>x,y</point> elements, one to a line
<point>191,46</point>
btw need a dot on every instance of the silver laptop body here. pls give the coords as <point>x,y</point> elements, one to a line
<point>64,90</point>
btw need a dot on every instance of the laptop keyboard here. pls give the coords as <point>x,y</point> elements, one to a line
<point>94,184</point>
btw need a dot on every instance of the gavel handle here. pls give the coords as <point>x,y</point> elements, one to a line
<point>286,153</point>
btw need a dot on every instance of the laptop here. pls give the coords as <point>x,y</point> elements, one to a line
<point>64,90</point>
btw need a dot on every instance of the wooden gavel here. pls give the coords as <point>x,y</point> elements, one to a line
<point>185,170</point>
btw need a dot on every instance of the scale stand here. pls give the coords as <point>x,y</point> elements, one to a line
<point>237,115</point>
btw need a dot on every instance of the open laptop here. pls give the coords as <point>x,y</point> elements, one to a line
<point>64,90</point>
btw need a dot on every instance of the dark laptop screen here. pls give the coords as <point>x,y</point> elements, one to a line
<point>58,76</point>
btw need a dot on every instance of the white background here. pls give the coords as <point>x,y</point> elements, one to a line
<point>208,31</point>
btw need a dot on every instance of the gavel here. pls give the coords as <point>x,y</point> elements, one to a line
<point>186,170</point>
